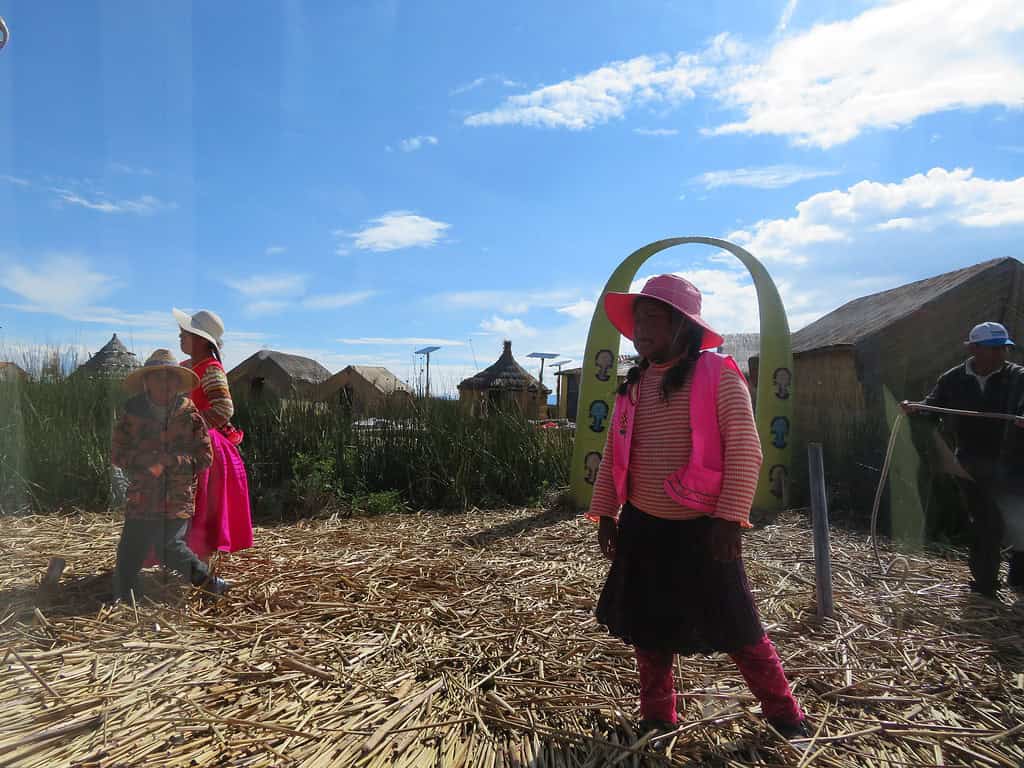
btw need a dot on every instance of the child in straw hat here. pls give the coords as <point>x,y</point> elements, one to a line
<point>161,443</point>
<point>674,489</point>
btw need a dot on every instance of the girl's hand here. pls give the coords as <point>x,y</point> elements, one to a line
<point>607,536</point>
<point>726,544</point>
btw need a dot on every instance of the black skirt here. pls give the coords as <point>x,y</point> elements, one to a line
<point>666,592</point>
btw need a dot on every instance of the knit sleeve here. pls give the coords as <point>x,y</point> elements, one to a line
<point>604,502</point>
<point>742,449</point>
<point>215,387</point>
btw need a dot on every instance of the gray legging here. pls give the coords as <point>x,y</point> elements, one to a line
<point>164,536</point>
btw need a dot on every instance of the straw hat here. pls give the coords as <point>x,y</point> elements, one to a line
<point>161,360</point>
<point>680,294</point>
<point>204,323</point>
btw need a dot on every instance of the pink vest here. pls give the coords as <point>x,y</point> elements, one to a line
<point>698,485</point>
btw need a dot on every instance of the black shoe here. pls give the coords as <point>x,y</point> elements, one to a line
<point>215,585</point>
<point>1016,576</point>
<point>659,726</point>
<point>790,731</point>
<point>991,591</point>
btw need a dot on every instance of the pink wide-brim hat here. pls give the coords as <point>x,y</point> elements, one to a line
<point>680,294</point>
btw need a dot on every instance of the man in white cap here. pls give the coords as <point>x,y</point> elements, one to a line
<point>991,451</point>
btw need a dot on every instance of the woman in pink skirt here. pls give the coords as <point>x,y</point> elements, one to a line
<point>223,519</point>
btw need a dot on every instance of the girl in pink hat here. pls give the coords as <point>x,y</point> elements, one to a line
<point>223,518</point>
<point>674,489</point>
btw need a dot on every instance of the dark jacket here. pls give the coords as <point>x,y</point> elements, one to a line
<point>984,444</point>
<point>178,442</point>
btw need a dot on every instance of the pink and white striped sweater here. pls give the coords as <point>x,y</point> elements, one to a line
<point>662,444</point>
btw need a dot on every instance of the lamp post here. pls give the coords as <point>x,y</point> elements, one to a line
<point>426,351</point>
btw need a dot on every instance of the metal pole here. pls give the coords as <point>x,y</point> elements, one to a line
<point>428,375</point>
<point>819,515</point>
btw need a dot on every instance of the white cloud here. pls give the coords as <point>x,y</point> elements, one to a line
<point>511,328</point>
<point>939,197</point>
<point>398,229</point>
<point>472,85</point>
<point>265,307</point>
<point>508,302</point>
<point>656,131</point>
<point>143,206</point>
<point>787,15</point>
<point>60,284</point>
<point>882,69</point>
<point>416,142</point>
<point>765,177</point>
<point>410,341</point>
<point>263,286</point>
<point>602,95</point>
<point>15,180</point>
<point>275,250</point>
<point>336,300</point>
<point>581,309</point>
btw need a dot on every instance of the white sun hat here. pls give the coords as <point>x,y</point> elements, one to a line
<point>204,323</point>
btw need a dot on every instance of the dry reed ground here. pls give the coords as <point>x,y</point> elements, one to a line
<point>468,640</point>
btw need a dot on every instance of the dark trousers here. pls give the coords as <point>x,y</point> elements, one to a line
<point>986,535</point>
<point>165,537</point>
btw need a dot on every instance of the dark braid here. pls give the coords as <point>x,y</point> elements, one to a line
<point>634,375</point>
<point>214,351</point>
<point>675,377</point>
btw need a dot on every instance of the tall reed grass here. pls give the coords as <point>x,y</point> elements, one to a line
<point>302,457</point>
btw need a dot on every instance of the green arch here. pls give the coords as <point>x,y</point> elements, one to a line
<point>774,416</point>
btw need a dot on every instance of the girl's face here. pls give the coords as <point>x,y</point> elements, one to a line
<point>657,330</point>
<point>194,346</point>
<point>160,387</point>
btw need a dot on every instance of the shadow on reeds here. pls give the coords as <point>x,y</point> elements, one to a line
<point>520,527</point>
<point>86,594</point>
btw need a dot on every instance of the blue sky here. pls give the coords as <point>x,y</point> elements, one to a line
<point>352,180</point>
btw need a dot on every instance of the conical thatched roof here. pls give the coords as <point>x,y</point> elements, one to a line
<point>113,361</point>
<point>506,373</point>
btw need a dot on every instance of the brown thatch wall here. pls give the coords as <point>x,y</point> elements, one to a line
<point>828,393</point>
<point>532,404</point>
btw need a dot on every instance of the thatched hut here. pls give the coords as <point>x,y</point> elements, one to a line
<point>893,345</point>
<point>278,374</point>
<point>505,384</point>
<point>112,361</point>
<point>365,389</point>
<point>12,372</point>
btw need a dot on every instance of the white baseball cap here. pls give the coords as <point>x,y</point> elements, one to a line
<point>990,335</point>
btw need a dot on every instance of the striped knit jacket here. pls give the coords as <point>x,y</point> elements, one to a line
<point>213,396</point>
<point>662,443</point>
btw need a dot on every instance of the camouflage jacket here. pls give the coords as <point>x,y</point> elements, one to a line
<point>177,441</point>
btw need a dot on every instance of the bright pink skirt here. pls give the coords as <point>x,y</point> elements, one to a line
<point>223,519</point>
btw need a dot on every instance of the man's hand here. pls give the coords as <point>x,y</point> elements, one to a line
<point>908,407</point>
<point>608,536</point>
<point>725,540</point>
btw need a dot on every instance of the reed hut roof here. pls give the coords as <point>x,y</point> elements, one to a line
<point>864,317</point>
<point>380,378</point>
<point>112,360</point>
<point>506,373</point>
<point>297,368</point>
